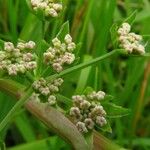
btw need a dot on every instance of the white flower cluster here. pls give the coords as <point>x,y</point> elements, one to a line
<point>88,112</point>
<point>17,59</point>
<point>49,7</point>
<point>48,90</point>
<point>60,53</point>
<point>129,40</point>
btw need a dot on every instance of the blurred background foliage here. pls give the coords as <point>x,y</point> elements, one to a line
<point>126,78</point>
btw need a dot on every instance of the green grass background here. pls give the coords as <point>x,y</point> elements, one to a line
<point>126,78</point>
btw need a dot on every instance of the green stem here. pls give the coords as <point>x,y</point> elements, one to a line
<point>15,108</point>
<point>86,64</point>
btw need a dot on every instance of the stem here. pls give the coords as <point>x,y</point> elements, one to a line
<point>86,64</point>
<point>14,109</point>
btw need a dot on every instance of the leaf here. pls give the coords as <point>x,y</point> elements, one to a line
<point>64,100</point>
<point>114,111</point>
<point>44,46</point>
<point>1,43</point>
<point>88,90</point>
<point>78,47</point>
<point>63,31</point>
<point>108,98</point>
<point>24,127</point>
<point>84,75</point>
<point>131,18</point>
<point>114,35</point>
<point>41,48</point>
<point>2,146</point>
<point>44,144</point>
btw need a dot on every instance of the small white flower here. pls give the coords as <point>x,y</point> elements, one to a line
<point>68,39</point>
<point>44,90</point>
<point>48,7</point>
<point>85,104</point>
<point>81,127</point>
<point>48,56</point>
<point>57,7</point>
<point>57,67</point>
<point>27,57</point>
<point>141,49</point>
<point>21,68</point>
<point>56,42</point>
<point>36,85</point>
<point>58,82</point>
<point>2,55</point>
<point>74,111</point>
<point>58,55</point>
<point>89,123</point>
<point>101,121</point>
<point>21,46</point>
<point>12,69</point>
<point>52,12</point>
<point>130,41</point>
<point>71,47</point>
<point>100,95</point>
<point>52,100</point>
<point>126,27</point>
<point>35,97</point>
<point>31,65</point>
<point>8,46</point>
<point>68,58</point>
<point>53,88</point>
<point>42,5</point>
<point>30,45</point>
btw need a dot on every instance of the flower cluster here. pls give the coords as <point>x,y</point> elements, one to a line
<point>49,7</point>
<point>17,59</point>
<point>60,53</point>
<point>48,90</point>
<point>87,112</point>
<point>129,40</point>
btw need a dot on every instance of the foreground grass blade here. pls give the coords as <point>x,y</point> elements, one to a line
<point>15,108</point>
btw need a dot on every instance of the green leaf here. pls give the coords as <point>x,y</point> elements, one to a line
<point>63,31</point>
<point>24,127</point>
<point>15,108</point>
<point>114,35</point>
<point>44,46</point>
<point>84,75</point>
<point>131,18</point>
<point>64,100</point>
<point>2,146</point>
<point>88,90</point>
<point>114,111</point>
<point>41,48</point>
<point>1,43</point>
<point>108,98</point>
